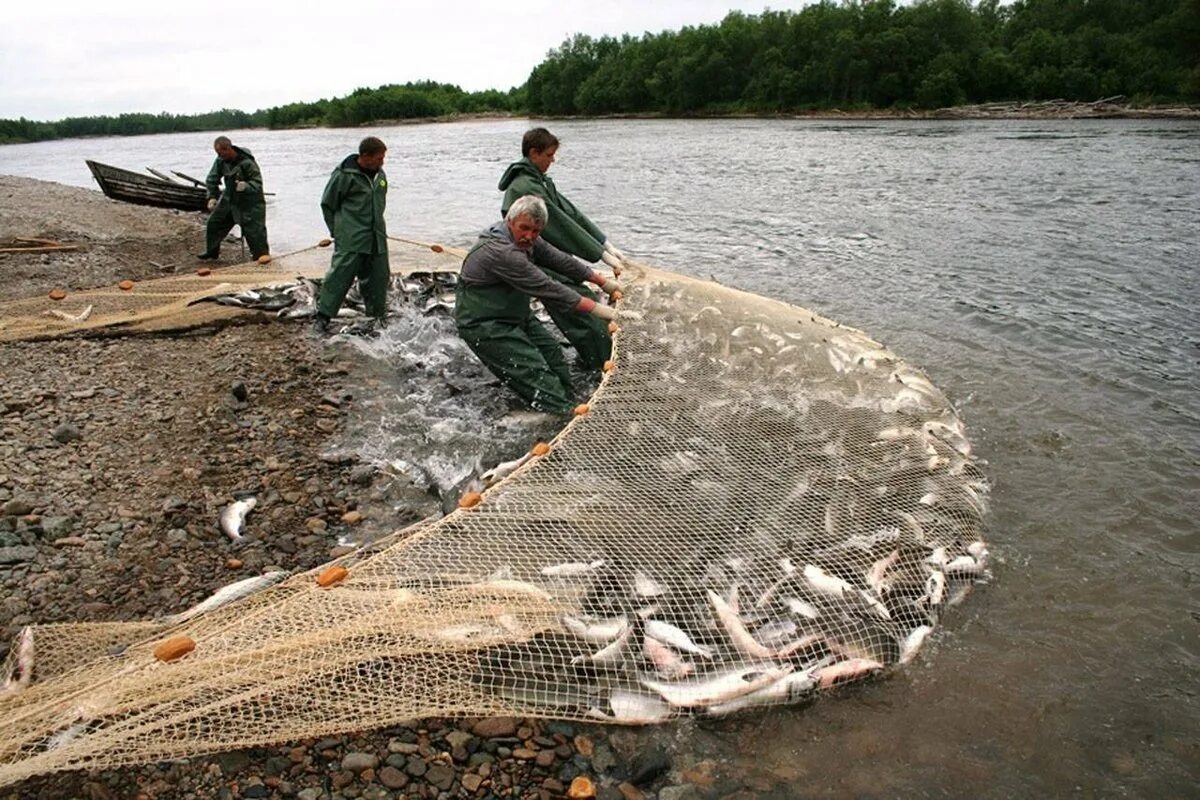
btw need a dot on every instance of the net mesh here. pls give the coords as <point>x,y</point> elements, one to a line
<point>758,503</point>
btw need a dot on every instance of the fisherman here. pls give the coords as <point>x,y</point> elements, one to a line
<point>568,230</point>
<point>353,204</point>
<point>235,197</point>
<point>499,275</point>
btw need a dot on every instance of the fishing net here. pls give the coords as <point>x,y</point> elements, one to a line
<point>756,504</point>
<point>177,302</point>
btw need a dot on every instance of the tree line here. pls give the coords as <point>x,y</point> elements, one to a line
<point>880,55</point>
<point>846,54</point>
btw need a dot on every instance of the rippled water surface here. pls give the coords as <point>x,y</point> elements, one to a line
<point>1043,273</point>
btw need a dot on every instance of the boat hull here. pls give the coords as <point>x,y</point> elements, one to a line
<point>132,187</point>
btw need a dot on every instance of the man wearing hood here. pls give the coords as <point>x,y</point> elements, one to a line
<point>353,204</point>
<point>235,197</point>
<point>568,230</point>
<point>505,268</point>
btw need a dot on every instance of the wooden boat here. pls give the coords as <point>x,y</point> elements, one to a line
<point>133,187</point>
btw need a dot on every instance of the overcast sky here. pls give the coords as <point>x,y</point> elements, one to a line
<point>62,58</point>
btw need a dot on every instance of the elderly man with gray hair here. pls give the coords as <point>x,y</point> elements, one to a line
<point>499,276</point>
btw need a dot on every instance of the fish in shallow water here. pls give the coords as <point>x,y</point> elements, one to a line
<point>233,517</point>
<point>720,687</point>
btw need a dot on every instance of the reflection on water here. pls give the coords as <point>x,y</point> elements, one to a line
<point>1042,273</point>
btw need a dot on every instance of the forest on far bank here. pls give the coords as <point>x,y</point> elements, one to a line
<point>856,55</point>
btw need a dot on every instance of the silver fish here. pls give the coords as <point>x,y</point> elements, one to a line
<point>849,670</point>
<point>233,516</point>
<point>719,687</point>
<point>738,634</point>
<point>592,630</point>
<point>787,689</point>
<point>227,594</point>
<point>633,708</point>
<point>504,469</point>
<point>22,670</point>
<point>80,317</point>
<point>824,583</point>
<point>572,569</point>
<point>912,643</point>
<point>669,634</point>
<point>645,586</point>
<point>610,653</point>
<point>667,663</point>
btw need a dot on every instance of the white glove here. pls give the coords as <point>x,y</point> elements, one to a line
<point>604,312</point>
<point>608,248</point>
<point>240,186</point>
<point>611,260</point>
<point>611,286</point>
<point>212,203</point>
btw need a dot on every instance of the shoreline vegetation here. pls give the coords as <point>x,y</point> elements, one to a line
<point>869,59</point>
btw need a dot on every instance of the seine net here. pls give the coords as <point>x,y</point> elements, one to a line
<point>757,503</point>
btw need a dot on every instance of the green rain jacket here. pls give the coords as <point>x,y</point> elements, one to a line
<point>246,205</point>
<point>353,205</point>
<point>568,228</point>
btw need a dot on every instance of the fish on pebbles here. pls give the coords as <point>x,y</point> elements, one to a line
<point>233,517</point>
<point>22,669</point>
<point>227,594</point>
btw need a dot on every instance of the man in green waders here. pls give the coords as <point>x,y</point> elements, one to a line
<point>499,276</point>
<point>235,197</point>
<point>568,230</point>
<point>353,204</point>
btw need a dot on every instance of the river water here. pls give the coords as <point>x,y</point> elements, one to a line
<point>1042,273</point>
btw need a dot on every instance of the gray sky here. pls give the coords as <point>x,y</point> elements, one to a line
<point>63,58</point>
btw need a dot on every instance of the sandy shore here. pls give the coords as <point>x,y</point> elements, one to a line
<point>116,455</point>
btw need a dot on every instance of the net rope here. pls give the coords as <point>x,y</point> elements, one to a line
<point>757,504</point>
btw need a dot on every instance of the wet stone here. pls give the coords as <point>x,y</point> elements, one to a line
<point>416,766</point>
<point>647,765</point>
<point>495,726</point>
<point>440,776</point>
<point>66,432</point>
<point>16,508</point>
<point>357,762</point>
<point>16,555</point>
<point>232,762</point>
<point>393,778</point>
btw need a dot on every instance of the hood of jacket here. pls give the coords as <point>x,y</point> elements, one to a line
<point>518,168</point>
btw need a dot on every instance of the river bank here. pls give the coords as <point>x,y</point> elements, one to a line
<point>116,456</point>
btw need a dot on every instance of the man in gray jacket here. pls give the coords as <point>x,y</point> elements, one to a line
<point>499,276</point>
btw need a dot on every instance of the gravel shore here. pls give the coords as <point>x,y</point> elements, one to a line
<point>116,456</point>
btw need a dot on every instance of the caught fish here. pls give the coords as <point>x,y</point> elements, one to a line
<point>850,670</point>
<point>227,594</point>
<point>22,669</point>
<point>912,643</point>
<point>824,583</point>
<point>63,315</point>
<point>504,469</point>
<point>233,516</point>
<point>572,569</point>
<point>645,586</point>
<point>633,708</point>
<point>787,689</point>
<point>510,587</point>
<point>668,664</point>
<point>720,687</point>
<point>802,608</point>
<point>591,630</point>
<point>610,653</point>
<point>667,633</point>
<point>733,626</point>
